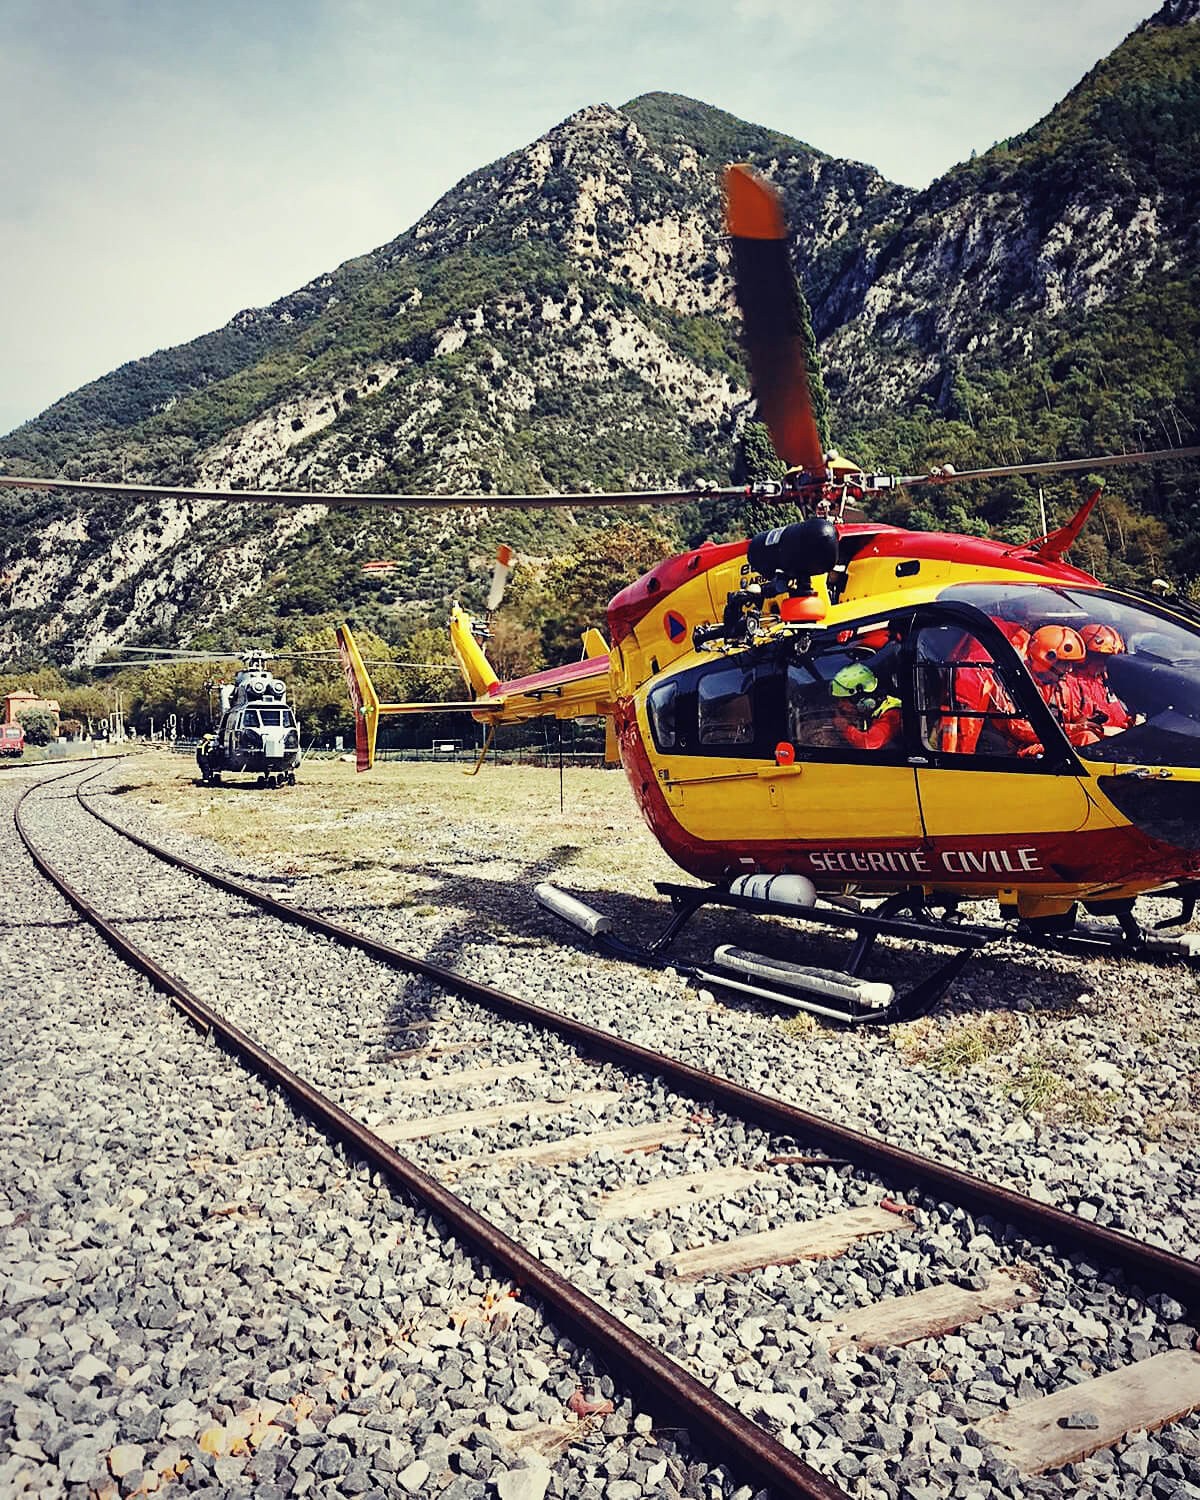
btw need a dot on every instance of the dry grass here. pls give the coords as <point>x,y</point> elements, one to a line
<point>963,1043</point>
<point>1041,1086</point>
<point>799,1026</point>
<point>1039,1078</point>
<point>403,822</point>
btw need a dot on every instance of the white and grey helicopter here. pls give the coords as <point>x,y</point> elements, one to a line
<point>256,731</point>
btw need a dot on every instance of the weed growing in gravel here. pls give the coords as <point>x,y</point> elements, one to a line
<point>1040,1088</point>
<point>965,1043</point>
<point>798,1026</point>
<point>1177,1124</point>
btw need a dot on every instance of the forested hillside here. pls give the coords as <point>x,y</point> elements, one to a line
<point>563,318</point>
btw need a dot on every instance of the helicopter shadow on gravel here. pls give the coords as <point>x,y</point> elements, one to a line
<point>506,911</point>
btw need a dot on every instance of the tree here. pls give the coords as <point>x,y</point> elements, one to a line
<point>39,724</point>
<point>570,593</point>
<point>515,649</point>
<point>84,703</point>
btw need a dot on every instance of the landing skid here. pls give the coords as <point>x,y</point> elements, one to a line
<point>1074,934</point>
<point>840,995</point>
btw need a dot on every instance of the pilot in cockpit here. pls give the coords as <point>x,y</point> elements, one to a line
<point>1102,706</point>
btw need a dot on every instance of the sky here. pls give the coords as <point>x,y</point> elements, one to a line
<point>171,162</point>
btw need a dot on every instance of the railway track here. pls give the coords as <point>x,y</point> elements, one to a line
<point>817,1195</point>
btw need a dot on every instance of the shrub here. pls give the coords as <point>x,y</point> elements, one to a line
<point>39,724</point>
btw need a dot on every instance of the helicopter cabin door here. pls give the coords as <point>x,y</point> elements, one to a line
<point>995,775</point>
<point>788,755</point>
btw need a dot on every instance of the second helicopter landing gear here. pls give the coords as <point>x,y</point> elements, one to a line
<point>273,779</point>
<point>836,994</point>
<point>1072,933</point>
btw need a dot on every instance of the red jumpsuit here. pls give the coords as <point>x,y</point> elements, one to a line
<point>1070,705</point>
<point>980,697</point>
<point>1104,709</point>
<point>869,734</point>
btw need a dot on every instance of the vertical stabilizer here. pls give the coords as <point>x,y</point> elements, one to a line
<point>476,669</point>
<point>363,696</point>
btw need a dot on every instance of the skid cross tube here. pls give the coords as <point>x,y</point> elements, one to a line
<point>691,899</point>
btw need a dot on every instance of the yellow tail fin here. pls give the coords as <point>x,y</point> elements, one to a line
<point>363,696</point>
<point>472,663</point>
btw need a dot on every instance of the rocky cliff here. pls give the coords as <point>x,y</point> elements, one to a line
<point>563,319</point>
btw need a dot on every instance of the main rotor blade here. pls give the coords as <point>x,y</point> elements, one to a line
<point>180,653</point>
<point>773,326</point>
<point>344,498</point>
<point>137,663</point>
<point>338,498</point>
<point>1051,466</point>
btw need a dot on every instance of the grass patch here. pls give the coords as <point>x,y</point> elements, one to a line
<point>1177,1124</point>
<point>797,1026</point>
<point>428,820</point>
<point>965,1043</point>
<point>1039,1087</point>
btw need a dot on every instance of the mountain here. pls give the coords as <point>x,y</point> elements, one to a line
<point>563,318</point>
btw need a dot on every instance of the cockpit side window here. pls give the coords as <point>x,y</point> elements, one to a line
<point>724,710</point>
<point>833,697</point>
<point>250,718</point>
<point>965,705</point>
<point>727,706</point>
<point>1120,674</point>
<point>844,695</point>
<point>661,708</point>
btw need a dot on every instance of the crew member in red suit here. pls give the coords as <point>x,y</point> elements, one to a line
<point>1055,651</point>
<point>978,698</point>
<point>1104,709</point>
<point>1020,733</point>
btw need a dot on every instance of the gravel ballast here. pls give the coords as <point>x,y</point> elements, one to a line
<point>893,1424</point>
<point>199,1294</point>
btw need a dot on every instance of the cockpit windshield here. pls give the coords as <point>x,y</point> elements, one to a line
<point>268,718</point>
<point>1121,676</point>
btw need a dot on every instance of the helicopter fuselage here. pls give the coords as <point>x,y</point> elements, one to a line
<point>742,760</point>
<point>257,732</point>
<point>966,771</point>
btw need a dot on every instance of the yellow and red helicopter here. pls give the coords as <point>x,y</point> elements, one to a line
<point>860,725</point>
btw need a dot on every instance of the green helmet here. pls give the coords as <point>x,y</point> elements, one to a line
<point>854,682</point>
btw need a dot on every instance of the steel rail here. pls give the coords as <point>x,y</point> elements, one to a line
<point>1156,1269</point>
<point>653,1375</point>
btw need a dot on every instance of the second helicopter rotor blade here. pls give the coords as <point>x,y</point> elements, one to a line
<point>773,324</point>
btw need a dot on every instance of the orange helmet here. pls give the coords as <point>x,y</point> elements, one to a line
<point>1051,646</point>
<point>1104,640</point>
